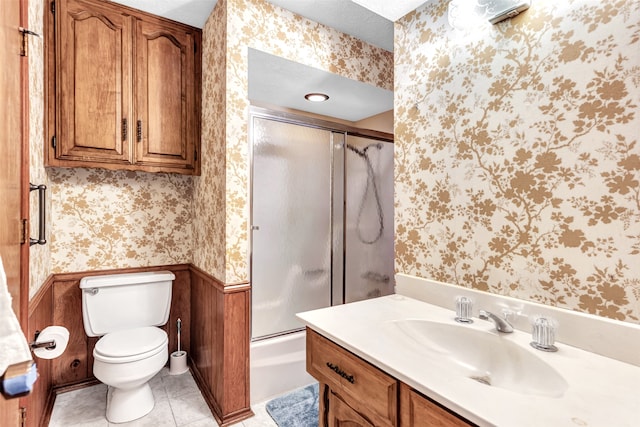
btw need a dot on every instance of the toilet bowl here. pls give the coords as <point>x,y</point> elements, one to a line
<point>125,310</point>
<point>126,361</point>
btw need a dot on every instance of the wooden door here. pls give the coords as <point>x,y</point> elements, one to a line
<point>342,415</point>
<point>416,410</point>
<point>11,145</point>
<point>93,99</point>
<point>165,95</point>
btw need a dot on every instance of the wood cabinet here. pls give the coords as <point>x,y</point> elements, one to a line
<point>123,89</point>
<point>354,393</point>
<point>417,410</point>
<point>367,390</point>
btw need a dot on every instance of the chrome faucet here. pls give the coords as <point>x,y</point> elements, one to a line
<point>502,325</point>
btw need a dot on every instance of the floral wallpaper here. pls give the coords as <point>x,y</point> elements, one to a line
<point>114,219</point>
<point>239,25</point>
<point>517,159</point>
<point>210,188</point>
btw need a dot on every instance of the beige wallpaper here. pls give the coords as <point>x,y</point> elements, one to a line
<point>114,219</point>
<point>517,158</point>
<point>259,25</point>
<point>210,187</point>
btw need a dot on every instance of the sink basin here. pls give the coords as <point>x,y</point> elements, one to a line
<point>483,356</point>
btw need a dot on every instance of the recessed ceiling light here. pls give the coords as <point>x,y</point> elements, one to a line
<point>316,97</point>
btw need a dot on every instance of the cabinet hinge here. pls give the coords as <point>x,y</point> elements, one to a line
<point>53,7</point>
<point>195,47</point>
<point>23,416</point>
<point>53,141</point>
<point>195,154</point>
<point>24,233</point>
<point>24,48</point>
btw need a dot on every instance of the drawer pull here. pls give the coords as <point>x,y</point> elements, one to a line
<point>343,374</point>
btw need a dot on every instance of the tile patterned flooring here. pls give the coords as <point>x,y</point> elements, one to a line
<point>178,403</point>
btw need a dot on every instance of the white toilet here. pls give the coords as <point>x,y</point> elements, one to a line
<point>126,310</point>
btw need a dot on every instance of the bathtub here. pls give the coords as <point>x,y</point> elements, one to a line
<point>277,366</point>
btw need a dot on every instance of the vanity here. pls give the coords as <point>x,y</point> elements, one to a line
<point>402,360</point>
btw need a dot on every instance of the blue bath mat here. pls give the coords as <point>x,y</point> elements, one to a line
<point>296,409</point>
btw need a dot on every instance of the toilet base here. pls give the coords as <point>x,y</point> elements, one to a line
<point>125,405</point>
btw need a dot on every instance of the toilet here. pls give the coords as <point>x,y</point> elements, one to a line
<point>125,310</point>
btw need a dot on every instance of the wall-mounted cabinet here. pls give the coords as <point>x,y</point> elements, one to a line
<point>123,89</point>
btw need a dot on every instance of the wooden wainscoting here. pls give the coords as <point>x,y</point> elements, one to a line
<point>220,345</point>
<point>39,402</point>
<point>215,333</point>
<point>59,302</point>
<point>76,364</point>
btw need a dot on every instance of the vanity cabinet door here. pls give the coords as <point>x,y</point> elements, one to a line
<point>93,63</point>
<point>363,387</point>
<point>342,415</point>
<point>417,410</point>
<point>165,93</point>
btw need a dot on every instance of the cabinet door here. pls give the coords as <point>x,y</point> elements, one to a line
<point>165,94</point>
<point>417,410</point>
<point>342,415</point>
<point>93,61</point>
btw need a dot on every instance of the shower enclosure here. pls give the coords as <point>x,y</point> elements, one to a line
<point>322,223</point>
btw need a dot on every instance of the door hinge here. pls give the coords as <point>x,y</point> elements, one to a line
<point>24,233</point>
<point>53,141</point>
<point>53,7</point>
<point>23,416</point>
<point>24,48</point>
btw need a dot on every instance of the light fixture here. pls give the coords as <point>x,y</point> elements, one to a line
<point>316,97</point>
<point>506,9</point>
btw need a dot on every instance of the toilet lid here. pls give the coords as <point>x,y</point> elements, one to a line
<point>131,342</point>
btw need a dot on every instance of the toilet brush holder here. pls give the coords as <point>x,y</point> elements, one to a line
<point>178,363</point>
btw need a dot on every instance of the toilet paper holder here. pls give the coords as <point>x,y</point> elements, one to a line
<point>49,345</point>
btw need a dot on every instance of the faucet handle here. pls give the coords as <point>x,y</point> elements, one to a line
<point>544,334</point>
<point>464,307</point>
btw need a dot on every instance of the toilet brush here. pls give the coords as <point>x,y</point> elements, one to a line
<point>178,360</point>
<point>179,323</point>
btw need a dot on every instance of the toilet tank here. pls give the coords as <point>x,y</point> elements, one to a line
<point>124,301</point>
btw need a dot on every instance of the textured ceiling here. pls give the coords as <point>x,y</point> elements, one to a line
<point>191,12</point>
<point>345,16</point>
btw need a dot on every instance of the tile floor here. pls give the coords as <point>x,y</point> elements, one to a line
<point>179,403</point>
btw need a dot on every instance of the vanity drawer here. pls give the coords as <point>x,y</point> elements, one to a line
<point>365,388</point>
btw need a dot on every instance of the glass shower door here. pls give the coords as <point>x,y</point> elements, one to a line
<point>368,266</point>
<point>291,224</point>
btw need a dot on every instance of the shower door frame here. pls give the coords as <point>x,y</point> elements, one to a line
<point>337,255</point>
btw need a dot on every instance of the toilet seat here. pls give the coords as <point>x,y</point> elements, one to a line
<point>130,345</point>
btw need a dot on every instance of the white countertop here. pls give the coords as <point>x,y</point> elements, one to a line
<point>601,391</point>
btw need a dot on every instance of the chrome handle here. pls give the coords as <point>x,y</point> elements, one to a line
<point>92,291</point>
